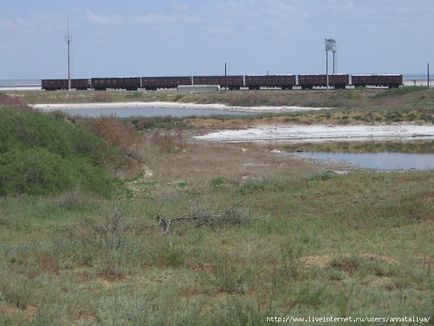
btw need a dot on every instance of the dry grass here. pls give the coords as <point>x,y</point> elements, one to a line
<point>302,248</point>
<point>102,97</point>
<point>168,141</point>
<point>124,137</point>
<point>115,132</point>
<point>13,101</point>
<point>173,159</point>
<point>312,242</point>
<point>359,98</point>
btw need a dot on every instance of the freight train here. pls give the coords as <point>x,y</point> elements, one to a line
<point>252,82</point>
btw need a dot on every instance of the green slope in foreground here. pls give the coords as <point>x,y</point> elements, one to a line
<point>42,154</point>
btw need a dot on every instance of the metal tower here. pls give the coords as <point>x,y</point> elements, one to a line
<point>330,45</point>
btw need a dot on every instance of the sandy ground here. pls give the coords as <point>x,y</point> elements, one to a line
<point>321,133</point>
<point>223,107</point>
<point>198,164</point>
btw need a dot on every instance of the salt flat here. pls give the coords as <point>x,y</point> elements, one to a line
<point>321,133</point>
<point>223,107</point>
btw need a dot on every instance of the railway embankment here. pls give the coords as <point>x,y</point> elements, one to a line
<point>361,98</point>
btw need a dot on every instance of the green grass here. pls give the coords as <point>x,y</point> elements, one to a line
<point>401,91</point>
<point>43,154</point>
<point>315,244</point>
<point>318,244</point>
<point>21,129</point>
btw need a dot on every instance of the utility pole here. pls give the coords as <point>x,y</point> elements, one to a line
<point>327,68</point>
<point>226,76</point>
<point>68,42</point>
<point>427,75</point>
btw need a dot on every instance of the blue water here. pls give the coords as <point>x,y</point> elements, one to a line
<point>151,112</point>
<point>376,161</point>
<point>20,82</point>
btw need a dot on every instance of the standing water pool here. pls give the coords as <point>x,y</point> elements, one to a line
<point>376,161</point>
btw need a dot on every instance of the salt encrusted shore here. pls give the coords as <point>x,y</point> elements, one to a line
<point>321,133</point>
<point>223,107</point>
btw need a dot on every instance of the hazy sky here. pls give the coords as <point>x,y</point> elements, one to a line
<point>169,37</point>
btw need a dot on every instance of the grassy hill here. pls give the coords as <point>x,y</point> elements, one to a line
<point>43,154</point>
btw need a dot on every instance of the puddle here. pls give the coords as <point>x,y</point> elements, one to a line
<point>375,161</point>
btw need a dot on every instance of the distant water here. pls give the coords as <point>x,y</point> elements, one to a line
<point>418,77</point>
<point>20,83</point>
<point>418,80</point>
<point>151,112</point>
<point>376,161</point>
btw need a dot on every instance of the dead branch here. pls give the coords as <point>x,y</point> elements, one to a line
<point>202,220</point>
<point>214,222</point>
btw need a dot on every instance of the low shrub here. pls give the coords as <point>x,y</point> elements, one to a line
<point>225,277</point>
<point>13,101</point>
<point>102,97</point>
<point>168,142</point>
<point>159,122</point>
<point>43,154</point>
<point>37,171</point>
<point>400,91</point>
<point>114,132</point>
<point>19,130</point>
<point>217,183</point>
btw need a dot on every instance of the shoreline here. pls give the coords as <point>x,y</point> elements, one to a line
<point>173,105</point>
<point>320,133</point>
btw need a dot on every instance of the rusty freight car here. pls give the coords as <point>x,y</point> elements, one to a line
<point>232,82</point>
<point>54,84</point>
<point>129,83</point>
<point>80,84</point>
<point>154,83</point>
<point>377,80</point>
<point>335,80</point>
<point>270,81</point>
<point>58,84</point>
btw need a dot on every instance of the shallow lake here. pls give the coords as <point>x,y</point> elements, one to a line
<point>376,161</point>
<point>151,112</point>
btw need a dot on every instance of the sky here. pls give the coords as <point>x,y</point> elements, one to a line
<point>196,37</point>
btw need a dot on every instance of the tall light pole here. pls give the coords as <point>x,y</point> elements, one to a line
<point>68,42</point>
<point>334,60</point>
<point>327,68</point>
<point>330,45</point>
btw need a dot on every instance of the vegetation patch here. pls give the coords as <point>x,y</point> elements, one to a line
<point>43,153</point>
<point>209,234</point>
<point>401,91</point>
